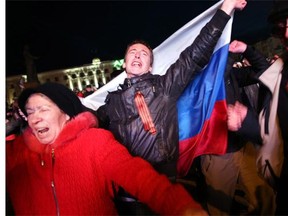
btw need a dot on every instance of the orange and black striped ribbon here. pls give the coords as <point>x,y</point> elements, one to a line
<point>144,113</point>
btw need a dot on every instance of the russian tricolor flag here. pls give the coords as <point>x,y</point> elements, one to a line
<point>202,107</point>
<point>202,114</point>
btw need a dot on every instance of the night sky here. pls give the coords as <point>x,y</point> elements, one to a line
<point>63,34</point>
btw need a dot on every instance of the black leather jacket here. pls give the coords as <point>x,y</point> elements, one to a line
<point>161,94</point>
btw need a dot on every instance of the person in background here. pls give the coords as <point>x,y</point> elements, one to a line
<point>88,90</point>
<point>78,92</point>
<point>224,173</point>
<point>142,113</point>
<point>278,18</point>
<point>62,164</point>
<point>15,123</point>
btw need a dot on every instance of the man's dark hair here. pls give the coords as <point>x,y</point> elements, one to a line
<point>143,43</point>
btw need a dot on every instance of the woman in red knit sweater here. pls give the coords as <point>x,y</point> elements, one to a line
<point>63,165</point>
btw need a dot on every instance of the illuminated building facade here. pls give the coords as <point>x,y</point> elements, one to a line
<point>96,74</point>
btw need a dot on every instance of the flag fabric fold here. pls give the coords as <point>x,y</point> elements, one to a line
<point>202,114</point>
<point>202,107</point>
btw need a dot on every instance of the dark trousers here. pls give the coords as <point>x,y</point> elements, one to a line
<point>133,208</point>
<point>282,193</point>
<point>128,205</point>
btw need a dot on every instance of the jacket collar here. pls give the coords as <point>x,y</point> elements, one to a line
<point>131,81</point>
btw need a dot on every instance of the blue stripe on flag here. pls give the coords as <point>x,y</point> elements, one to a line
<point>197,101</point>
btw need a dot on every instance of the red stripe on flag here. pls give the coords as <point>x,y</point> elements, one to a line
<point>211,140</point>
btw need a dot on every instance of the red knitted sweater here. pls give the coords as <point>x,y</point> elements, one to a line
<point>74,175</point>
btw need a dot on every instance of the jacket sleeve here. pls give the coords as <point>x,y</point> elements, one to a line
<point>250,129</point>
<point>140,180</point>
<point>245,76</point>
<point>196,56</point>
<point>14,153</point>
<point>248,75</point>
<point>256,59</point>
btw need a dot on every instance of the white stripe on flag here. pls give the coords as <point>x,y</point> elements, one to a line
<point>166,53</point>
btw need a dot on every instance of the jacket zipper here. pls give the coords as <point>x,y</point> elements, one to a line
<point>53,183</point>
<point>129,83</point>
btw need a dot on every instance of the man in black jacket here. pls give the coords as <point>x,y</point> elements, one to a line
<point>142,114</point>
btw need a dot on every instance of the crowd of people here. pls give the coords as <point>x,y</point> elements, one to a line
<point>65,159</point>
<point>88,90</point>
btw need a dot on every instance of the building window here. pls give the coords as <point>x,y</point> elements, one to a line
<point>90,73</point>
<point>65,77</point>
<point>56,79</point>
<point>48,80</point>
<point>82,74</point>
<point>74,76</point>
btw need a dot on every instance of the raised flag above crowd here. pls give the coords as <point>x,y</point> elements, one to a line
<point>202,106</point>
